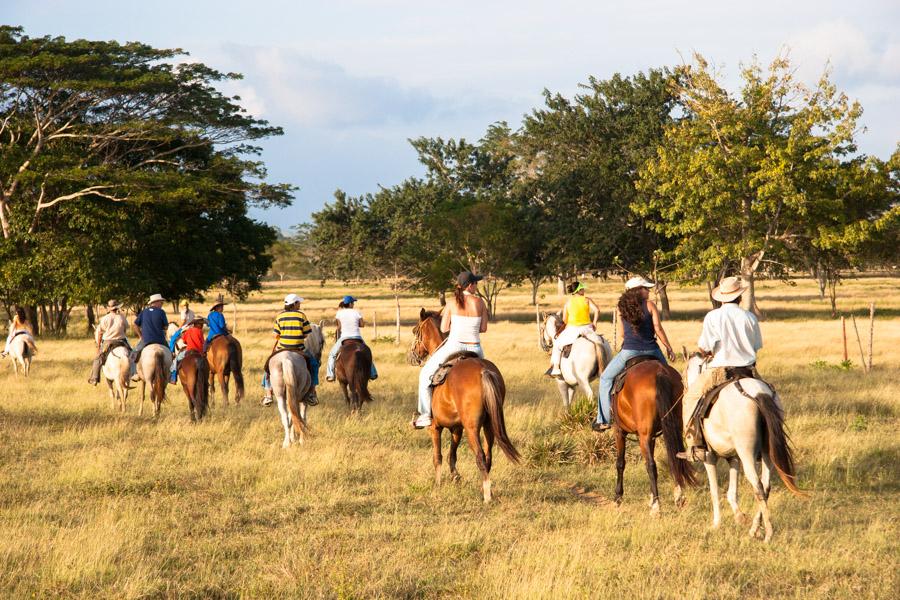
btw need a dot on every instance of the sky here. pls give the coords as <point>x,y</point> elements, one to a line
<point>351,81</point>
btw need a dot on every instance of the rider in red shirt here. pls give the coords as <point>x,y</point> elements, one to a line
<point>193,340</point>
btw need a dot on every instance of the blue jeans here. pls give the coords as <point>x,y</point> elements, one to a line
<point>615,366</point>
<point>313,362</point>
<point>332,356</point>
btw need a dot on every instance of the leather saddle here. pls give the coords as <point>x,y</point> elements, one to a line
<point>280,350</point>
<point>112,346</point>
<point>441,374</point>
<point>619,381</point>
<point>567,349</point>
<point>708,400</point>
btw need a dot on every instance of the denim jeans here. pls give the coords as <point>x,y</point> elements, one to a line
<point>433,363</point>
<point>615,366</point>
<point>314,364</point>
<point>332,356</point>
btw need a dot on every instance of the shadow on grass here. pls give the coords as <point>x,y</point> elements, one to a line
<point>876,470</point>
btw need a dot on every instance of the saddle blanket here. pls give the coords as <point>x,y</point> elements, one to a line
<point>441,374</point>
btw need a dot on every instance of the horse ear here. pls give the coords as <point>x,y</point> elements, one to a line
<point>684,352</point>
<point>422,314</point>
<point>322,324</point>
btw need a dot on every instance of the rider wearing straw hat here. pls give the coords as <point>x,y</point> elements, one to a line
<point>731,336</point>
<point>150,325</point>
<point>216,321</point>
<point>110,330</point>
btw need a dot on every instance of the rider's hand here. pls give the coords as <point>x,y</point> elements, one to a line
<point>670,353</point>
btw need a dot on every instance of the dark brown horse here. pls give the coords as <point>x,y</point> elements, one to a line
<point>649,405</point>
<point>225,357</point>
<point>352,370</point>
<point>193,371</point>
<point>470,399</point>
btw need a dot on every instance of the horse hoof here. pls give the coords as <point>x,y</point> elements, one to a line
<point>680,502</point>
<point>654,510</point>
<point>285,445</point>
<point>741,519</point>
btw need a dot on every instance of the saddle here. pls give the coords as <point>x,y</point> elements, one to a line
<point>112,346</point>
<point>280,350</point>
<point>619,381</point>
<point>567,349</point>
<point>441,374</point>
<point>708,400</point>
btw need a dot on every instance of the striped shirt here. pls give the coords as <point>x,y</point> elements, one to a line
<point>292,327</point>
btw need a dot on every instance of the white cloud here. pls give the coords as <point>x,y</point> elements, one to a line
<point>854,55</point>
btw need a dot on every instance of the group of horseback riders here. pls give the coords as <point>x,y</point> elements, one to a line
<point>730,339</point>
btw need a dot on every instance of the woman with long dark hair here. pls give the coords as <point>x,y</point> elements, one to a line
<point>465,319</point>
<point>19,325</point>
<point>351,321</point>
<point>638,327</point>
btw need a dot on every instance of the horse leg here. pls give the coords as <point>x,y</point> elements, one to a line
<point>748,461</point>
<point>224,385</point>
<point>346,392</point>
<point>301,435</point>
<point>620,463</point>
<point>647,444</point>
<point>285,420</point>
<point>472,434</point>
<point>455,439</point>
<point>734,465</point>
<point>143,393</point>
<point>712,476</point>
<point>436,431</point>
<point>488,447</point>
<point>565,391</point>
<point>112,395</point>
<point>766,477</point>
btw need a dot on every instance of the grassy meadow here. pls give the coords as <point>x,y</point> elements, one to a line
<point>98,504</point>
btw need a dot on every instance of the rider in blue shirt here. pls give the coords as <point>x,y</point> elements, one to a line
<point>151,325</point>
<point>216,321</point>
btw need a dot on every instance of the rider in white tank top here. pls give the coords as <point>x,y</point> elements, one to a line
<point>465,329</point>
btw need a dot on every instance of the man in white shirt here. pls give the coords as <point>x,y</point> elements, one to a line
<point>732,336</point>
<point>187,315</point>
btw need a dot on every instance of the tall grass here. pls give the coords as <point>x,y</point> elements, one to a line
<point>102,505</point>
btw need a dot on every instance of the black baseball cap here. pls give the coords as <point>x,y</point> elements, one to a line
<point>467,278</point>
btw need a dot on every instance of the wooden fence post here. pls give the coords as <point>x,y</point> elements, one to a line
<point>844,335</point>
<point>862,356</point>
<point>871,331</point>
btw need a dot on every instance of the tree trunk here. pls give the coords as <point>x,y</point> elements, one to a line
<point>662,298</point>
<point>442,298</point>
<point>709,290</point>
<point>90,316</point>
<point>748,274</point>
<point>560,286</point>
<point>832,294</point>
<point>31,313</point>
<point>397,303</point>
<point>535,287</point>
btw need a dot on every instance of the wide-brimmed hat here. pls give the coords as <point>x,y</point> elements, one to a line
<point>636,282</point>
<point>199,321</point>
<point>292,299</point>
<point>467,278</point>
<point>156,298</point>
<point>112,304</point>
<point>220,301</point>
<point>184,303</point>
<point>729,289</point>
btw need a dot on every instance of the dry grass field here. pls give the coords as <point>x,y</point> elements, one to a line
<point>102,505</point>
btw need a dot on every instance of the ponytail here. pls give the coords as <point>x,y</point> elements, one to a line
<point>460,298</point>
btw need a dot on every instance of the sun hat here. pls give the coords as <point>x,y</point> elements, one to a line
<point>348,300</point>
<point>729,289</point>
<point>112,304</point>
<point>578,288</point>
<point>467,278</point>
<point>199,321</point>
<point>220,301</point>
<point>638,281</point>
<point>291,299</point>
<point>156,298</point>
<point>184,303</point>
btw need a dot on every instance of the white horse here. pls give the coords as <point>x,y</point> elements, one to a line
<point>170,331</point>
<point>153,368</point>
<point>744,430</point>
<point>581,367</point>
<point>21,351</point>
<point>291,381</point>
<point>117,373</point>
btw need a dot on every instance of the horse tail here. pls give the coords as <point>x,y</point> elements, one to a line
<point>30,346</point>
<point>359,378</point>
<point>779,442</point>
<point>159,378</point>
<point>201,386</point>
<point>670,423</point>
<point>234,365</point>
<point>491,384</point>
<point>290,391</point>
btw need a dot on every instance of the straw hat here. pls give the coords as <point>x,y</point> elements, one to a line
<point>184,303</point>
<point>220,301</point>
<point>156,298</point>
<point>729,289</point>
<point>199,321</point>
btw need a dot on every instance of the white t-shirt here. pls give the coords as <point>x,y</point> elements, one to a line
<point>349,319</point>
<point>732,334</point>
<point>187,316</point>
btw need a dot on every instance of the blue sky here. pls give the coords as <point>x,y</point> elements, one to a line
<point>350,81</point>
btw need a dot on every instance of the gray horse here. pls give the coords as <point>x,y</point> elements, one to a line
<point>583,365</point>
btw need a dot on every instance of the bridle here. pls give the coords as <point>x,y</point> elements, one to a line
<point>417,350</point>
<point>543,332</point>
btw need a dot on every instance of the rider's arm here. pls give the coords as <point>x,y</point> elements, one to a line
<point>620,329</point>
<point>484,317</point>
<point>658,328</point>
<point>596,312</point>
<point>565,313</point>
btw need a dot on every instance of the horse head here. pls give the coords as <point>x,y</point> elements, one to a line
<point>697,362</point>
<point>427,336</point>
<point>549,329</point>
<point>315,341</point>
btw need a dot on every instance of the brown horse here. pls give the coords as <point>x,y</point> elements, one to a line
<point>225,357</point>
<point>352,370</point>
<point>649,405</point>
<point>470,399</point>
<point>193,371</point>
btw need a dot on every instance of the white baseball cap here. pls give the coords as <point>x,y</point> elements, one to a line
<point>638,281</point>
<point>291,299</point>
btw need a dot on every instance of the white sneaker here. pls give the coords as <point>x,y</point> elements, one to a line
<point>421,422</point>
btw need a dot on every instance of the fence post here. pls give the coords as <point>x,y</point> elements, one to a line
<point>871,331</point>
<point>844,335</point>
<point>375,324</point>
<point>862,356</point>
